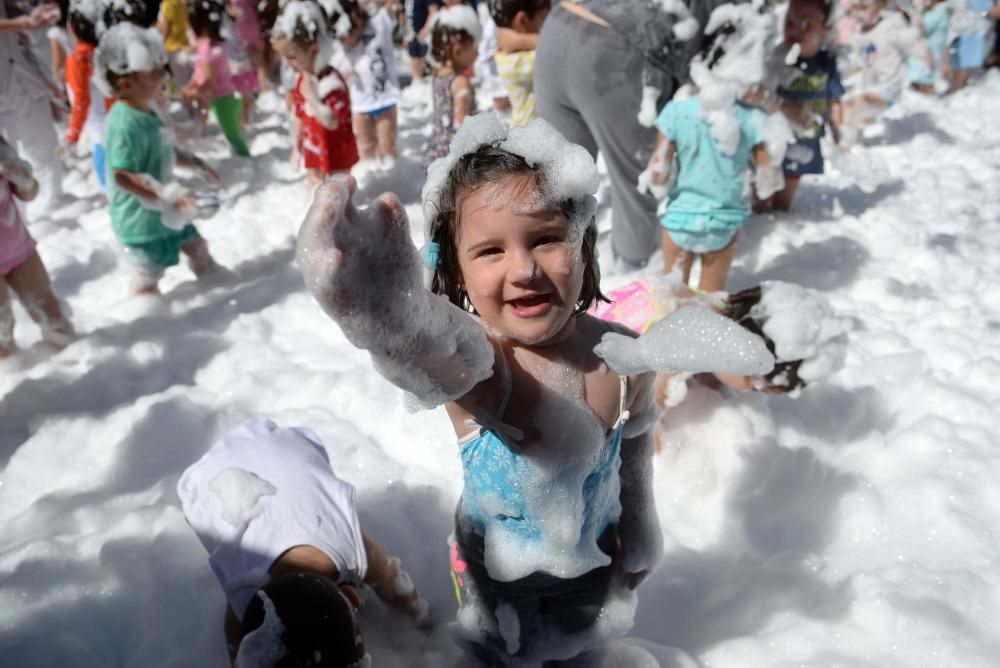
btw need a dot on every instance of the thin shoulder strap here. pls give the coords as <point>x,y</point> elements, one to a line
<point>623,414</point>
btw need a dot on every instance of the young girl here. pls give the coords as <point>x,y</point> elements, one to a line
<point>369,63</point>
<point>454,34</point>
<point>321,128</point>
<point>712,137</point>
<point>212,84</point>
<point>20,266</point>
<point>556,521</point>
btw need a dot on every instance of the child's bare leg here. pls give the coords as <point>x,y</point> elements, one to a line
<point>6,321</point>
<point>364,134</point>
<point>316,176</point>
<point>501,104</point>
<point>674,256</point>
<point>715,268</point>
<point>145,284</point>
<point>782,200</point>
<point>31,282</point>
<point>200,260</point>
<point>385,133</point>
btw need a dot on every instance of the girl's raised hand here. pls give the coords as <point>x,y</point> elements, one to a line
<point>356,261</point>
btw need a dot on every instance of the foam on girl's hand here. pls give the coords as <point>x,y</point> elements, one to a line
<point>692,339</point>
<point>803,326</point>
<point>363,269</point>
<point>125,49</point>
<point>263,646</point>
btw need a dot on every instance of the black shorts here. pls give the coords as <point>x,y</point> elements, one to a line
<point>416,49</point>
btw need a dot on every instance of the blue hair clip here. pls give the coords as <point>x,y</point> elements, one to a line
<point>431,254</point>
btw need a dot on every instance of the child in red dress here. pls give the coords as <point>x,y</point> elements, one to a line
<point>321,128</point>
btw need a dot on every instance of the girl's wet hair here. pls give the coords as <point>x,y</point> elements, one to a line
<point>825,6</point>
<point>504,11</point>
<point>473,172</point>
<point>205,17</point>
<point>142,13</point>
<point>443,37</point>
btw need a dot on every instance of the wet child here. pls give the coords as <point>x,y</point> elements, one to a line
<point>454,35</point>
<point>149,212</point>
<point>212,84</point>
<point>878,55</point>
<point>704,149</point>
<point>88,102</point>
<point>519,23</point>
<point>21,268</point>
<point>321,128</point>
<point>369,64</point>
<point>811,99</point>
<point>284,540</point>
<point>556,523</point>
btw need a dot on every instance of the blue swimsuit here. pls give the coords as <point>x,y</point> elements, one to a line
<point>494,471</point>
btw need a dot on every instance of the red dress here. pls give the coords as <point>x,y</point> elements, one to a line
<point>322,148</point>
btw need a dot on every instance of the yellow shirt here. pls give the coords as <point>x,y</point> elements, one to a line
<point>175,14</point>
<point>517,72</point>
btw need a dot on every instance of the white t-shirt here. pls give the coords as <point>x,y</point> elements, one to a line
<point>370,66</point>
<point>880,54</point>
<point>262,490</point>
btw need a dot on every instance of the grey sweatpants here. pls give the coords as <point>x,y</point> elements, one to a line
<point>588,84</point>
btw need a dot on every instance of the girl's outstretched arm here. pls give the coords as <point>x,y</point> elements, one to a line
<point>364,270</point>
<point>639,525</point>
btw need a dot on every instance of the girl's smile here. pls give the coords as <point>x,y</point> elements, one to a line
<point>517,264</point>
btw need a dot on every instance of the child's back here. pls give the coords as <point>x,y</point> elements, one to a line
<point>710,178</point>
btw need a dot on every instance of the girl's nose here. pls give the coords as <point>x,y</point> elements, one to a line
<point>525,269</point>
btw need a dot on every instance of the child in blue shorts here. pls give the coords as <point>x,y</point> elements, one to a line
<point>149,212</point>
<point>968,52</point>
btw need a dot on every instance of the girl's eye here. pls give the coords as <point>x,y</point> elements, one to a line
<point>492,250</point>
<point>548,239</point>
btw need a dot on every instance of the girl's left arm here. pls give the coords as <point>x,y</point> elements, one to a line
<point>461,93</point>
<point>639,525</point>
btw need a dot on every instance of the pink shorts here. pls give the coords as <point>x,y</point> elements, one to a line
<point>16,244</point>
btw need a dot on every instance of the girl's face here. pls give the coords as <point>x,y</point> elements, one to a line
<point>463,55</point>
<point>517,264</point>
<point>867,13</point>
<point>298,58</point>
<point>805,26</point>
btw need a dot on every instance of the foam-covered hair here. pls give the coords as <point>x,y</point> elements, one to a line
<point>124,49</point>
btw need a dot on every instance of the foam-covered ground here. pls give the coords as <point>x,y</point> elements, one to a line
<point>853,526</point>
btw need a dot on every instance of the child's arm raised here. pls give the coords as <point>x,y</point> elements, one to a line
<point>363,269</point>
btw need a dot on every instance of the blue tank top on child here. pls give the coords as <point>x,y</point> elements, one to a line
<point>494,472</point>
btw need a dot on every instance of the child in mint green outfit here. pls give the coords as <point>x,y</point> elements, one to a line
<point>706,207</point>
<point>149,212</point>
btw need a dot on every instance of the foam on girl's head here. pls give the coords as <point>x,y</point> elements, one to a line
<point>338,21</point>
<point>125,49</point>
<point>567,172</point>
<point>448,27</point>
<point>304,22</point>
<point>458,18</point>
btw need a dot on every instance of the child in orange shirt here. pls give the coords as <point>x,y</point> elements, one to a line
<point>321,129</point>
<point>89,104</point>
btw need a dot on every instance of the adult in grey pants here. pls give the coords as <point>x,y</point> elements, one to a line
<point>592,59</point>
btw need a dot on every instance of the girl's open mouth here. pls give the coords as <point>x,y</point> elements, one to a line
<point>527,307</point>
